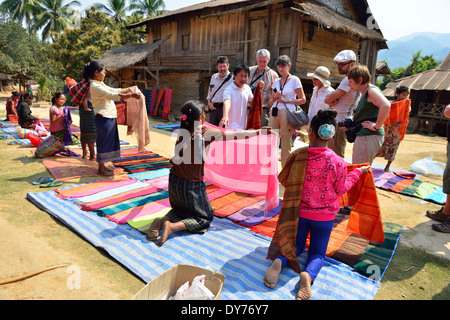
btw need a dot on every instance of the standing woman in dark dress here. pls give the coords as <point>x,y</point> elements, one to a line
<point>103,97</point>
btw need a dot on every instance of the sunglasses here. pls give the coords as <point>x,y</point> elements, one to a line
<point>340,65</point>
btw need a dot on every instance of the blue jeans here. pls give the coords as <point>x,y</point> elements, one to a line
<point>320,234</point>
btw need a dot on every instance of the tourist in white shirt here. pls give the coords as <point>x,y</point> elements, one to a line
<point>322,88</point>
<point>288,93</point>
<point>219,82</point>
<point>344,100</point>
<point>235,99</point>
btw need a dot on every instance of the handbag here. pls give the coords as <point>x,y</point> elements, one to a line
<point>49,147</point>
<point>298,118</point>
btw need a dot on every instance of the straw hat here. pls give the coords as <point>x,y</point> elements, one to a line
<point>321,73</point>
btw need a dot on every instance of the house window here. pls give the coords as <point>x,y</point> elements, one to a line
<point>185,42</point>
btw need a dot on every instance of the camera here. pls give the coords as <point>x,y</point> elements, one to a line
<point>347,123</point>
<point>274,111</point>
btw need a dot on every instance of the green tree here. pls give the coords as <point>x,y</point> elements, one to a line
<point>418,64</point>
<point>25,53</point>
<point>17,9</point>
<point>147,8</point>
<point>74,47</point>
<point>115,9</point>
<point>52,16</point>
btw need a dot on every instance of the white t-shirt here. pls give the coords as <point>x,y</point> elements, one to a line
<point>346,103</point>
<point>288,92</point>
<point>318,100</point>
<point>237,115</point>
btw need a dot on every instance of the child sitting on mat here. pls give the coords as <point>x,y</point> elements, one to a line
<point>191,209</point>
<point>57,117</point>
<point>325,179</point>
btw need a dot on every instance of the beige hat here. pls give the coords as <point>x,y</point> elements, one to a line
<point>321,73</point>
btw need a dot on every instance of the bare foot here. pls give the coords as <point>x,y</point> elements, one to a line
<point>154,230</point>
<point>85,156</point>
<point>272,274</point>
<point>92,158</point>
<point>109,169</point>
<point>304,292</point>
<point>166,231</point>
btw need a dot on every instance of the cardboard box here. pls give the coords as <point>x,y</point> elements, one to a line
<point>166,284</point>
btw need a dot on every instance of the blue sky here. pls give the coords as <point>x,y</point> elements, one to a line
<point>396,18</point>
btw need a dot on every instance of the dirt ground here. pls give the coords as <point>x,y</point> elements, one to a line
<point>31,240</point>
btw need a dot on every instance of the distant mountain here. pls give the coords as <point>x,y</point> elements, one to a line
<point>401,50</point>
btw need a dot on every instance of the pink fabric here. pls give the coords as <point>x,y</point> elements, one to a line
<point>247,165</point>
<point>137,119</point>
<point>160,182</point>
<point>325,180</point>
<point>218,194</point>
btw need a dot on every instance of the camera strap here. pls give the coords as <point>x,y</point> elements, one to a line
<point>223,82</point>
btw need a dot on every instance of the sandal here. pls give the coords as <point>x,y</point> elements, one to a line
<point>53,183</point>
<point>42,180</point>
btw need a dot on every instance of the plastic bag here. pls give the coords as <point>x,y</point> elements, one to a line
<point>196,291</point>
<point>428,166</point>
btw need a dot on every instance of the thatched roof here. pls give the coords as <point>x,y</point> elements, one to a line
<point>317,12</point>
<point>129,54</point>
<point>435,80</point>
<point>337,22</point>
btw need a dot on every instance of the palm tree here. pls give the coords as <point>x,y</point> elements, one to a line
<point>18,11</point>
<point>115,9</point>
<point>52,16</point>
<point>147,8</point>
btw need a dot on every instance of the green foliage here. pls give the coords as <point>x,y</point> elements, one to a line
<point>418,64</point>
<point>147,8</point>
<point>52,16</point>
<point>97,34</point>
<point>21,52</point>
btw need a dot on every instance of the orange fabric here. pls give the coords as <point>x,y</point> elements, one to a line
<point>233,207</point>
<point>256,110</point>
<point>229,198</point>
<point>399,186</point>
<point>338,236</point>
<point>365,217</point>
<point>400,113</point>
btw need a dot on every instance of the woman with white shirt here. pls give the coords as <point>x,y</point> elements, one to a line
<point>322,88</point>
<point>103,97</point>
<point>288,92</point>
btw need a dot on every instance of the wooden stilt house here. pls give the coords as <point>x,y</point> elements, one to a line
<point>310,32</point>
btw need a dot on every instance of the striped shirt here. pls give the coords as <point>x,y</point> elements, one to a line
<point>269,78</point>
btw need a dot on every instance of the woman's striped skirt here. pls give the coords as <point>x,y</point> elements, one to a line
<point>190,204</point>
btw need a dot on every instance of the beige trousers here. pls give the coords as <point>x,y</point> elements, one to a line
<point>366,148</point>
<point>285,133</point>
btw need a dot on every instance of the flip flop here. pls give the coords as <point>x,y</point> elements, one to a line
<point>53,183</point>
<point>42,180</point>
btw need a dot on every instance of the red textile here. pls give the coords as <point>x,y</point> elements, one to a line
<point>256,110</point>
